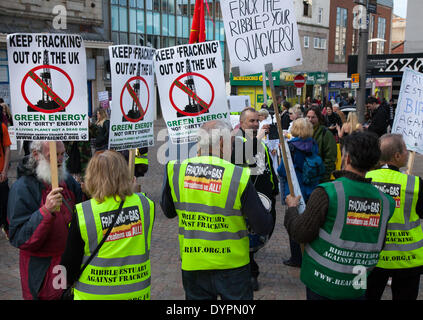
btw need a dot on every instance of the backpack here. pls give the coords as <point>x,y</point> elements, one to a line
<point>313,169</point>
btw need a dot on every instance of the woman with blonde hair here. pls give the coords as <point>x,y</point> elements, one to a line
<point>301,145</point>
<point>350,125</point>
<point>110,234</point>
<point>102,123</point>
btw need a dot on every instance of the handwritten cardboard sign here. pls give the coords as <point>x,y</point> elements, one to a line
<point>261,35</point>
<point>409,114</point>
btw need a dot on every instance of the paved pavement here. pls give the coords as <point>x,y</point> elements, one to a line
<point>277,281</point>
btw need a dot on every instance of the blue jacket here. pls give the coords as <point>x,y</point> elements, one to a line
<point>299,149</point>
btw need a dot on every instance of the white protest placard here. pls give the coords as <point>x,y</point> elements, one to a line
<point>133,104</point>
<point>48,86</point>
<point>295,183</point>
<point>12,137</point>
<point>408,119</point>
<point>191,87</point>
<point>262,35</point>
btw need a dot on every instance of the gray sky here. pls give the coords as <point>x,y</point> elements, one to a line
<point>400,8</point>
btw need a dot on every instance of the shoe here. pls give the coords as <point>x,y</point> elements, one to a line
<point>254,283</point>
<point>290,263</point>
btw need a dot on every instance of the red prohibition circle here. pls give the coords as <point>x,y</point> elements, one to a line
<point>38,108</point>
<point>186,75</point>
<point>148,99</point>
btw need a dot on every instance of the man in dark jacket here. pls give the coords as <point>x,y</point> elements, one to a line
<point>39,217</point>
<point>248,150</point>
<point>379,120</point>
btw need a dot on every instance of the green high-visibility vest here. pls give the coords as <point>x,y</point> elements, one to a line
<point>121,268</point>
<point>207,193</point>
<point>349,241</point>
<point>404,239</point>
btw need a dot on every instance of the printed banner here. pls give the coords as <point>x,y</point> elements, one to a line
<point>133,105</point>
<point>261,35</point>
<point>409,114</point>
<point>48,86</point>
<point>191,87</point>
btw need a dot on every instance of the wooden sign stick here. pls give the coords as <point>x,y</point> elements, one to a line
<point>410,163</point>
<point>280,132</point>
<point>53,168</point>
<point>131,162</point>
<point>53,165</point>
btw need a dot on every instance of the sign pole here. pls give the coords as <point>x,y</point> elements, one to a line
<point>131,162</point>
<point>53,165</point>
<point>410,163</point>
<point>53,168</point>
<point>281,137</point>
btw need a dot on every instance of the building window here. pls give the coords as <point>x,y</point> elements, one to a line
<point>319,43</point>
<point>306,41</point>
<point>381,31</point>
<point>161,23</point>
<point>320,16</point>
<point>340,35</point>
<point>307,8</point>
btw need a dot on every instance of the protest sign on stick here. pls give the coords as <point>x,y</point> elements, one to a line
<point>262,35</point>
<point>48,86</point>
<point>261,32</point>
<point>132,110</point>
<point>192,88</point>
<point>48,89</point>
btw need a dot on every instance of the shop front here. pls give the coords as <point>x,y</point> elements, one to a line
<point>252,86</point>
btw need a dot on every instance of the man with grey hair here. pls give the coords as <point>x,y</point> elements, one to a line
<point>212,199</point>
<point>39,217</point>
<point>402,255</point>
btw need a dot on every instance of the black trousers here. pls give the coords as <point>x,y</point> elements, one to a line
<point>405,284</point>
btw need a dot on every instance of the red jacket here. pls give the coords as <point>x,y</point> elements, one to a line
<point>40,236</point>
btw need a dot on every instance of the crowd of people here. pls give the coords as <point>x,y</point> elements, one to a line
<point>360,210</point>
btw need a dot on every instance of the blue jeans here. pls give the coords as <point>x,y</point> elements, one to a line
<point>229,284</point>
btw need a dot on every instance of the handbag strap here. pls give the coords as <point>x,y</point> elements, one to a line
<point>102,240</point>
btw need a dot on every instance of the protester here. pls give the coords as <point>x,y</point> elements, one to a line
<point>350,125</point>
<point>379,118</point>
<point>249,151</point>
<point>402,255</point>
<point>285,118</point>
<point>6,115</point>
<point>301,145</point>
<point>332,120</point>
<point>341,235</point>
<point>294,113</point>
<point>102,135</point>
<point>39,217</point>
<point>4,182</point>
<point>214,253</point>
<point>341,114</point>
<point>269,139</point>
<point>325,140</point>
<point>126,250</point>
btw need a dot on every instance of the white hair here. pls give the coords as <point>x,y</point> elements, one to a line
<point>41,168</point>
